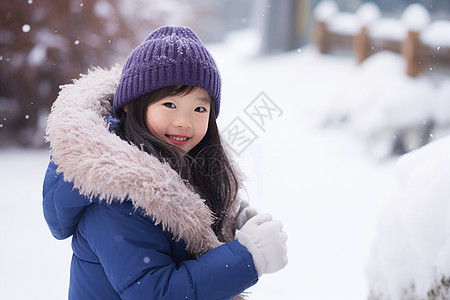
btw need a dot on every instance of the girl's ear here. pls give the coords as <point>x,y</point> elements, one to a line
<point>125,108</point>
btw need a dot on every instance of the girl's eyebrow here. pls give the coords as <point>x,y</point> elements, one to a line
<point>205,100</point>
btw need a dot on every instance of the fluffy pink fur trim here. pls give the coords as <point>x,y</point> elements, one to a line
<point>100,163</point>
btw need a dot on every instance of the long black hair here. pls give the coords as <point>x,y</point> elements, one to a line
<point>206,167</point>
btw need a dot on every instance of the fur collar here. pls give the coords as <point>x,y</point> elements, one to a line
<point>100,163</point>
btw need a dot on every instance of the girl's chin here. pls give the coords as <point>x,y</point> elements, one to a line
<point>183,149</point>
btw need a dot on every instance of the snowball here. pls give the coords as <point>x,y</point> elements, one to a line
<point>325,9</point>
<point>416,17</point>
<point>368,12</point>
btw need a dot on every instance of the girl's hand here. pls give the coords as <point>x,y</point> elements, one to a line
<point>266,242</point>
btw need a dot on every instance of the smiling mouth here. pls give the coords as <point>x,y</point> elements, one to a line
<point>178,138</point>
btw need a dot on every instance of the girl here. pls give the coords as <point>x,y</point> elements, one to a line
<point>141,181</point>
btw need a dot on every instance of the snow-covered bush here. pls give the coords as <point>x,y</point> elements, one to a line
<point>392,112</point>
<point>410,256</point>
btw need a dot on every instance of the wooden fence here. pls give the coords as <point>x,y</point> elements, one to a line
<point>419,54</point>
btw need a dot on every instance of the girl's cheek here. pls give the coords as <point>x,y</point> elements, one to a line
<point>205,130</point>
<point>152,124</point>
<point>155,128</point>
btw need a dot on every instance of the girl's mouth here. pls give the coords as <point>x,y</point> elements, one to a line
<point>178,140</point>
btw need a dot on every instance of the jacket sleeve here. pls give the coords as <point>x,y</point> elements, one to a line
<point>62,204</point>
<point>137,259</point>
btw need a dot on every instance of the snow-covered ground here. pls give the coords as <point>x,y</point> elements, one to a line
<point>322,182</point>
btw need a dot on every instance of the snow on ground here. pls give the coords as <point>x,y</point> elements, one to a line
<point>34,265</point>
<point>322,182</point>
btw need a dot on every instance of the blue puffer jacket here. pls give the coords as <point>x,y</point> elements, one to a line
<point>138,232</point>
<point>119,253</point>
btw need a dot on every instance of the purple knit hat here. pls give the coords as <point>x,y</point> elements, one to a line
<point>169,56</point>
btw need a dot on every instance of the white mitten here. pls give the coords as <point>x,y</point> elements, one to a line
<point>266,242</point>
<point>245,214</point>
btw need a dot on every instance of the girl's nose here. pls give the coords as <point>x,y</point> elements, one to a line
<point>182,122</point>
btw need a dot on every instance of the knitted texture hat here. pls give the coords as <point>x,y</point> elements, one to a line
<point>169,56</point>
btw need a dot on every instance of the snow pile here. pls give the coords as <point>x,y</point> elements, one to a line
<point>368,12</point>
<point>381,104</point>
<point>325,9</point>
<point>410,253</point>
<point>437,34</point>
<point>344,23</point>
<point>416,17</point>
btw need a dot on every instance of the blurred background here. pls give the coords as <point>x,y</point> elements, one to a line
<point>44,43</point>
<point>352,85</point>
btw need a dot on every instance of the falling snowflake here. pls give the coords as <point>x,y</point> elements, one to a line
<point>26,28</point>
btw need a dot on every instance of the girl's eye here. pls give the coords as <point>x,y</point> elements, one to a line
<point>200,109</point>
<point>169,105</point>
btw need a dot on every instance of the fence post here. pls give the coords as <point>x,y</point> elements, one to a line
<point>320,36</point>
<point>410,51</point>
<point>361,45</point>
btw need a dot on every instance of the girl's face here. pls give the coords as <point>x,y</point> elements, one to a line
<point>180,120</point>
